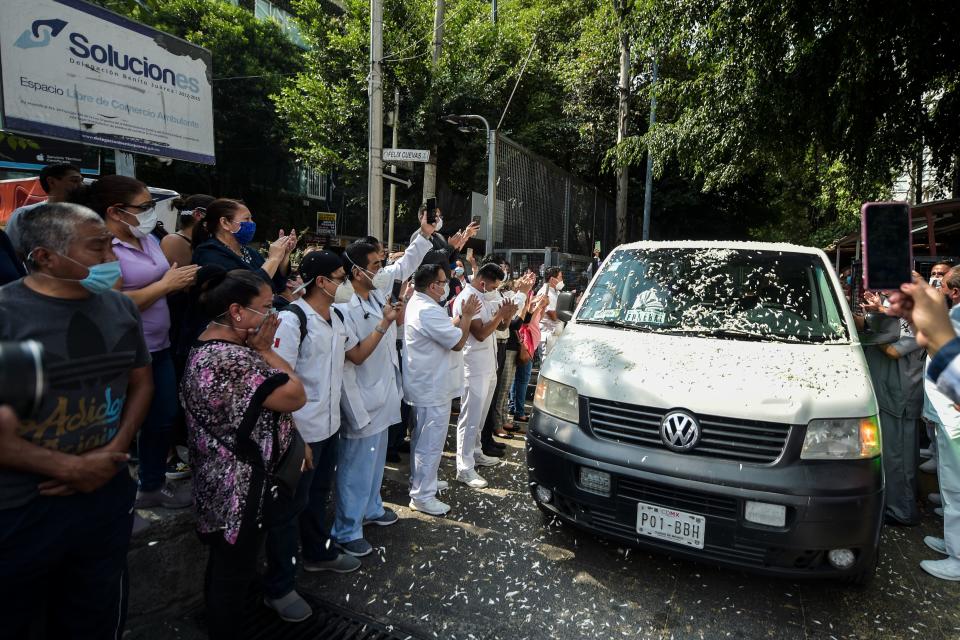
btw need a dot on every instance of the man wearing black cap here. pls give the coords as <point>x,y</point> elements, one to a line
<point>314,340</point>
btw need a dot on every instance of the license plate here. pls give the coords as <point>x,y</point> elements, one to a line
<point>646,317</point>
<point>671,525</point>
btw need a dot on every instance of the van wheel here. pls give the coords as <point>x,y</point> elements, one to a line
<point>866,575</point>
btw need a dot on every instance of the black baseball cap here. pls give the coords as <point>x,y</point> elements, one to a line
<point>318,264</point>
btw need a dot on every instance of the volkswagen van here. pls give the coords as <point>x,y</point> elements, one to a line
<point>712,401</point>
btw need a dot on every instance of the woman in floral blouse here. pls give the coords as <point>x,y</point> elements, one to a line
<point>234,383</point>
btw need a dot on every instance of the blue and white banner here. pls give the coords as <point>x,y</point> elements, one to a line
<point>75,71</point>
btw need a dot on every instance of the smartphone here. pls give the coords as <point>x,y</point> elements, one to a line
<point>395,292</point>
<point>469,253</point>
<point>476,220</point>
<point>887,245</point>
<point>431,210</point>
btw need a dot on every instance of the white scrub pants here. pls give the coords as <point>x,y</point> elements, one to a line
<point>359,476</point>
<point>948,468</point>
<point>426,448</point>
<point>474,405</point>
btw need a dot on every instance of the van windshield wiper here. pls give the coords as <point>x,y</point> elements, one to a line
<point>617,324</point>
<point>731,334</point>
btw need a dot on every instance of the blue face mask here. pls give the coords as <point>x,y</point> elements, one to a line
<point>245,233</point>
<point>100,277</point>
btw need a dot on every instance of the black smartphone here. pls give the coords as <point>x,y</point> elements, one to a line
<point>431,210</point>
<point>475,220</point>
<point>887,245</point>
<point>395,292</point>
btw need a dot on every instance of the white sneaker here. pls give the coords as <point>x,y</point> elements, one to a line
<point>930,466</point>
<point>472,479</point>
<point>442,485</point>
<point>946,569</point>
<point>432,506</point>
<point>935,499</point>
<point>482,460</point>
<point>937,544</point>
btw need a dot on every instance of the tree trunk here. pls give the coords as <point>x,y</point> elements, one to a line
<point>623,180</point>
<point>430,168</point>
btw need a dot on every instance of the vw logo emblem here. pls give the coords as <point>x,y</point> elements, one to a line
<point>680,431</point>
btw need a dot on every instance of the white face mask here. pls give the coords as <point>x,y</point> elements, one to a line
<point>559,286</point>
<point>148,221</point>
<point>381,280</point>
<point>344,293</point>
<point>439,224</point>
<point>491,296</point>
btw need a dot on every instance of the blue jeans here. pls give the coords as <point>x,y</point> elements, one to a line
<point>153,441</point>
<point>304,517</point>
<point>521,380</point>
<point>69,554</point>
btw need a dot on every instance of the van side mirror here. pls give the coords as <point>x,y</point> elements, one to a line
<point>565,306</point>
<point>879,328</point>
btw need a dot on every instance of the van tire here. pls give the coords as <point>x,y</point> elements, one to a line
<point>866,575</point>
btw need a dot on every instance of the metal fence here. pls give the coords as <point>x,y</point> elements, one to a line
<point>545,206</point>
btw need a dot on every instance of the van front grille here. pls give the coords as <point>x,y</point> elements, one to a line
<point>747,441</point>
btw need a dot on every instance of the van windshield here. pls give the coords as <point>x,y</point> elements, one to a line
<point>727,293</point>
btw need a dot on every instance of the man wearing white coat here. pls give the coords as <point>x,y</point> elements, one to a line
<point>480,370</point>
<point>372,390</point>
<point>432,378</point>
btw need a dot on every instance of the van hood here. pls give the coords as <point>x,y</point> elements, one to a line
<point>767,381</point>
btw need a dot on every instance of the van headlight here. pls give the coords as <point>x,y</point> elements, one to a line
<point>557,399</point>
<point>842,439</point>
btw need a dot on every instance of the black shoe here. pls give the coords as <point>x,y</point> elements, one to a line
<point>393,456</point>
<point>493,452</point>
<point>496,445</point>
<point>404,446</point>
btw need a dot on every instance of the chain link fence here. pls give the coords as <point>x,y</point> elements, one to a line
<point>540,205</point>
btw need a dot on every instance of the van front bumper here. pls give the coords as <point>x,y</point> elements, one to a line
<point>840,506</point>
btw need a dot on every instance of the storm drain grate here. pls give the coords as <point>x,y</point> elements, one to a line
<point>328,622</point>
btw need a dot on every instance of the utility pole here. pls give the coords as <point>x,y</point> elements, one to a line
<point>375,162</point>
<point>430,168</point>
<point>623,113</point>
<point>648,183</point>
<point>493,11</point>
<point>393,185</point>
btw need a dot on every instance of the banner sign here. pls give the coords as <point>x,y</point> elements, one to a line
<point>326,224</point>
<point>33,154</point>
<point>77,72</point>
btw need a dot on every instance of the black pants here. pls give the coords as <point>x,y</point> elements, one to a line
<point>399,431</point>
<point>229,583</point>
<point>486,434</point>
<point>63,560</point>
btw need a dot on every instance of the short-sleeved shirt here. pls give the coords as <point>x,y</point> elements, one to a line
<point>318,362</point>
<point>90,345</point>
<point>548,326</point>
<point>479,356</point>
<point>430,372</point>
<point>141,268</point>
<point>221,382</point>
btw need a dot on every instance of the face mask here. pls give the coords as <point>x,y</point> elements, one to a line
<point>491,296</point>
<point>559,286</point>
<point>446,290</point>
<point>263,315</point>
<point>439,224</point>
<point>147,220</point>
<point>100,277</point>
<point>245,233</point>
<point>458,272</point>
<point>381,280</point>
<point>935,282</point>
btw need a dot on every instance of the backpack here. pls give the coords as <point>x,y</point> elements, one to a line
<point>527,348</point>
<point>298,311</point>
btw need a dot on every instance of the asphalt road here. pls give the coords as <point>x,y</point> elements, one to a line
<point>494,568</point>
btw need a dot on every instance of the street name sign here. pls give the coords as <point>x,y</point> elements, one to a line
<point>411,155</point>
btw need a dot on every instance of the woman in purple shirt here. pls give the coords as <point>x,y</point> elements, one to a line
<point>130,214</point>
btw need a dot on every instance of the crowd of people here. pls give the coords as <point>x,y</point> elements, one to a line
<point>904,380</point>
<point>290,385</point>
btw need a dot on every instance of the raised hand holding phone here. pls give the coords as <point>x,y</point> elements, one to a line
<point>887,245</point>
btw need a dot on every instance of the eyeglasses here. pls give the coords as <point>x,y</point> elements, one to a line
<point>338,281</point>
<point>142,208</point>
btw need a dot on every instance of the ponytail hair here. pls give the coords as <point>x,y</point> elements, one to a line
<point>107,191</point>
<point>220,288</point>
<point>219,208</point>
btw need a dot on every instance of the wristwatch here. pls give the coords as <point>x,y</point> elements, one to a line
<point>382,332</point>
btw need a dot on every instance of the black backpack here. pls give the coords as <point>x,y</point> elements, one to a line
<point>296,310</point>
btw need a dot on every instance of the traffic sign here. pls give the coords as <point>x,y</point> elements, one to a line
<point>413,155</point>
<point>406,183</point>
